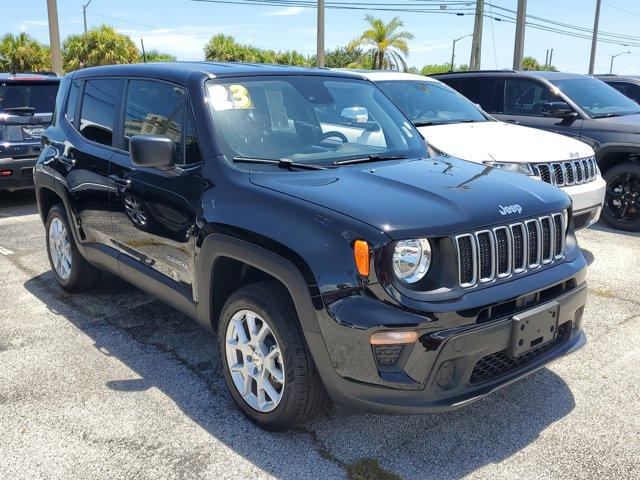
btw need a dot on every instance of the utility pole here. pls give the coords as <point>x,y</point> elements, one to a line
<point>614,56</point>
<point>453,50</point>
<point>54,36</point>
<point>518,48</point>
<point>476,46</point>
<point>546,59</point>
<point>550,57</point>
<point>594,39</point>
<point>84,14</point>
<point>320,33</point>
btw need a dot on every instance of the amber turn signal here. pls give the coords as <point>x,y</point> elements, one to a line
<point>361,255</point>
<point>393,338</point>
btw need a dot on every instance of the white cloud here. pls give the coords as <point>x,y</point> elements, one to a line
<point>287,12</point>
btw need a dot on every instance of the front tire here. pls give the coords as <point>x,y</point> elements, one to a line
<point>70,269</point>
<point>266,363</point>
<point>622,201</point>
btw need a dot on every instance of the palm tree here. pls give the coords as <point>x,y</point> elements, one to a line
<point>384,42</point>
<point>22,53</point>
<point>99,46</point>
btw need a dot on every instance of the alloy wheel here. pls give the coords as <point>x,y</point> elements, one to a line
<point>60,248</point>
<point>254,361</point>
<point>623,197</point>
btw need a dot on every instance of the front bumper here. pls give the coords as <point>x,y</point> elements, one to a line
<point>21,173</point>
<point>587,197</point>
<point>449,366</point>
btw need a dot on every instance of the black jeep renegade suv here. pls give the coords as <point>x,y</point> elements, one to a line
<point>298,213</point>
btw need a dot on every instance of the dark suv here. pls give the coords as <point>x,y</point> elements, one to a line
<point>579,106</point>
<point>298,213</point>
<point>26,105</point>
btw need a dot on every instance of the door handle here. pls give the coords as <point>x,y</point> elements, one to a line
<point>513,121</point>
<point>67,160</point>
<point>121,182</point>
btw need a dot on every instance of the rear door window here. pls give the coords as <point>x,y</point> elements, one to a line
<point>72,103</point>
<point>99,106</point>
<point>484,91</point>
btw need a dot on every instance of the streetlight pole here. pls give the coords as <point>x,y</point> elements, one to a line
<point>453,50</point>
<point>594,38</point>
<point>614,56</point>
<point>320,34</point>
<point>54,36</point>
<point>84,14</point>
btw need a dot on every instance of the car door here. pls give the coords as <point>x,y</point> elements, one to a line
<point>82,161</point>
<point>154,211</point>
<point>526,102</point>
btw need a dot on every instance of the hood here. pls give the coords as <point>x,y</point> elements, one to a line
<point>624,124</point>
<point>428,197</point>
<point>503,142</point>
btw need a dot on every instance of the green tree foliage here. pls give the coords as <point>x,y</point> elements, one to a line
<point>441,68</point>
<point>99,46</point>
<point>224,48</point>
<point>530,63</point>
<point>22,53</point>
<point>384,42</point>
<point>156,56</point>
<point>344,57</point>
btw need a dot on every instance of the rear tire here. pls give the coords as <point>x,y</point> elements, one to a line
<point>622,201</point>
<point>296,385</point>
<point>70,269</point>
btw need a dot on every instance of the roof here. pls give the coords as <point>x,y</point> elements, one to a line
<point>181,71</point>
<point>619,78</point>
<point>546,74</point>
<point>379,75</point>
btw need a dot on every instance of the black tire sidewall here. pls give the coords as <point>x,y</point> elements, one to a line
<point>608,176</point>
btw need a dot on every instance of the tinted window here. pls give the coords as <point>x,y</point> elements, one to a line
<point>72,102</point>
<point>155,108</point>
<point>308,119</point>
<point>597,98</point>
<point>99,105</point>
<point>428,103</point>
<point>481,91</point>
<point>527,97</point>
<point>191,145</point>
<point>40,97</point>
<point>630,90</point>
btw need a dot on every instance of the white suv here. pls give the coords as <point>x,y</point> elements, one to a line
<point>452,124</point>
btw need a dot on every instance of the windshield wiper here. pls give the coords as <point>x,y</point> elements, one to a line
<point>370,158</point>
<point>609,115</point>
<point>282,163</point>
<point>423,124</point>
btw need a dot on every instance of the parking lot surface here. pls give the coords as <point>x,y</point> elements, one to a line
<point>115,384</point>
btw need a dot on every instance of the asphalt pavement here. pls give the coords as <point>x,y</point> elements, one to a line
<point>115,384</point>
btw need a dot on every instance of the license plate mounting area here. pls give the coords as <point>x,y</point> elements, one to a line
<point>534,328</point>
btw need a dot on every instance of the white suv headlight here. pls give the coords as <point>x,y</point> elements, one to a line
<point>514,167</point>
<point>411,259</point>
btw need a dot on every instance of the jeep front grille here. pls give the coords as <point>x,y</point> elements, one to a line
<point>562,174</point>
<point>487,255</point>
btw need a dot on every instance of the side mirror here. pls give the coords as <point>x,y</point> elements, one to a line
<point>154,151</point>
<point>558,110</point>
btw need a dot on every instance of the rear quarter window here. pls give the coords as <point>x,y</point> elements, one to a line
<point>484,91</point>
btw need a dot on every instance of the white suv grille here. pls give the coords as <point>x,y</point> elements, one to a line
<point>573,172</point>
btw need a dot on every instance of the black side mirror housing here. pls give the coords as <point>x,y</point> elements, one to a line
<point>558,110</point>
<point>154,151</point>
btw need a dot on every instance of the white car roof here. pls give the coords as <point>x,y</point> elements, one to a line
<point>377,75</point>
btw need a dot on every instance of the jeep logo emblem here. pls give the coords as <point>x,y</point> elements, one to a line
<point>515,208</point>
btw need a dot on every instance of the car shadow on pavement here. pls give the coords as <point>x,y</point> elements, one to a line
<point>181,360</point>
<point>603,227</point>
<point>18,203</point>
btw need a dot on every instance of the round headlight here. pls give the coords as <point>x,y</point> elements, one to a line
<point>411,259</point>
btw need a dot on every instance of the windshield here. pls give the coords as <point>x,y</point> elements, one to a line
<point>427,103</point>
<point>308,119</point>
<point>597,98</point>
<point>39,96</point>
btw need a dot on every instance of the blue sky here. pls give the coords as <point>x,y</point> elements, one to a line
<point>182,27</point>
